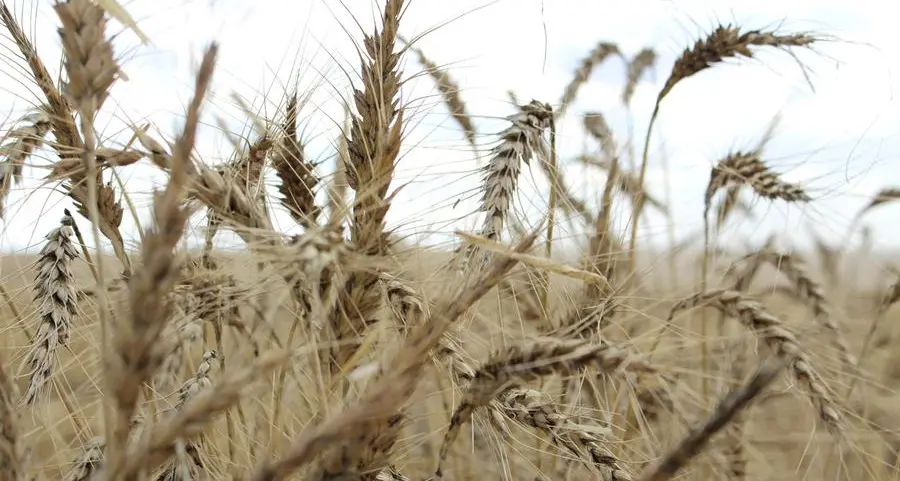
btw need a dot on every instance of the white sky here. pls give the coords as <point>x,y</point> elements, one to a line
<point>841,139</point>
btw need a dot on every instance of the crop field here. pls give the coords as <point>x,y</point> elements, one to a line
<point>344,348</point>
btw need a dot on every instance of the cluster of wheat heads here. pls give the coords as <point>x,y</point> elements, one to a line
<point>325,355</point>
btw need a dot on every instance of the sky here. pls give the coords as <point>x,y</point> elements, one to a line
<point>836,102</point>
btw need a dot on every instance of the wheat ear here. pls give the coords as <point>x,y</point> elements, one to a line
<point>137,357</point>
<point>533,408</point>
<point>374,144</point>
<point>639,64</point>
<point>449,90</point>
<point>187,464</point>
<point>726,41</point>
<point>526,363</point>
<point>88,460</point>
<point>24,140</point>
<point>594,59</point>
<point>782,341</point>
<point>520,142</point>
<point>810,292</point>
<point>747,168</point>
<point>92,69</point>
<point>883,196</point>
<point>298,177</point>
<point>54,287</point>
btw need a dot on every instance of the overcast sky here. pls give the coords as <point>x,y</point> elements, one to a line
<point>837,135</point>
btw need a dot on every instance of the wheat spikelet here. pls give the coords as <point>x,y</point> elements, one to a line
<point>691,445</point>
<point>810,291</point>
<point>521,364</point>
<point>532,408</point>
<point>883,196</point>
<point>449,90</point>
<point>54,287</point>
<point>639,64</point>
<point>593,60</point>
<point>779,339</point>
<point>298,178</point>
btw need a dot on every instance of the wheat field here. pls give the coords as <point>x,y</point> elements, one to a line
<point>347,351</point>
